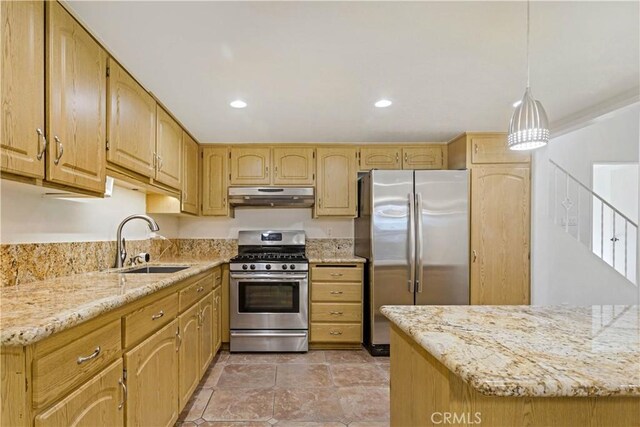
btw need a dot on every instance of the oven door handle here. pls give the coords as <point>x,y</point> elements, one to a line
<point>271,277</point>
<point>269,334</point>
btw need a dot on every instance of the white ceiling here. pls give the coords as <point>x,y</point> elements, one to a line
<point>311,71</point>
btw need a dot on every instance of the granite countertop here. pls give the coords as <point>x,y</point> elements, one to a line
<point>34,311</point>
<point>529,350</point>
<point>328,258</point>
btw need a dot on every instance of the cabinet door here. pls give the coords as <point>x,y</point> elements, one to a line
<point>500,235</point>
<point>76,98</point>
<point>214,180</point>
<point>189,174</point>
<point>131,119</point>
<point>427,157</point>
<point>189,353</point>
<point>207,333</point>
<point>152,379</point>
<point>98,402</point>
<point>168,150</point>
<point>380,158</point>
<point>293,166</point>
<point>493,149</point>
<point>336,184</point>
<point>217,304</point>
<point>250,166</point>
<point>22,97</point>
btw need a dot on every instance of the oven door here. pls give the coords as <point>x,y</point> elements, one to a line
<point>269,301</point>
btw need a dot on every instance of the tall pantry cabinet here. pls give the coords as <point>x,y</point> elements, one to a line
<point>500,217</point>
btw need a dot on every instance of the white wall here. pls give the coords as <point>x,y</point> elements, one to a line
<point>260,219</point>
<point>28,217</point>
<point>564,271</point>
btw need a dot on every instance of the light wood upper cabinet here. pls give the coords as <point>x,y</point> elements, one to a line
<point>425,157</point>
<point>168,150</point>
<point>190,152</point>
<point>131,118</point>
<point>95,403</point>
<point>373,157</point>
<point>22,88</point>
<point>188,355</point>
<point>492,148</point>
<point>500,227</point>
<point>293,166</point>
<point>152,376</point>
<point>336,183</point>
<point>214,180</point>
<point>250,166</point>
<point>207,333</point>
<point>76,94</point>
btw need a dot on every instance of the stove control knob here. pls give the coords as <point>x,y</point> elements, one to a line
<point>284,266</point>
<point>268,267</point>
<point>292,267</point>
<point>253,267</point>
<point>244,266</point>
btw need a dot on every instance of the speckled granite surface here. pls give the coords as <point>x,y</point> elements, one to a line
<point>529,350</point>
<point>37,310</point>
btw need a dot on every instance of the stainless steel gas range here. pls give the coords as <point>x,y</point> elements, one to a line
<point>268,306</point>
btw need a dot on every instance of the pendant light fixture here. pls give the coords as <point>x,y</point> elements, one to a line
<point>529,126</point>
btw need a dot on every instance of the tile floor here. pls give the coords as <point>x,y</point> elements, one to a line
<point>314,389</point>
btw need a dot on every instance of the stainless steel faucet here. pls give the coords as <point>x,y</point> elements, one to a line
<point>121,251</point>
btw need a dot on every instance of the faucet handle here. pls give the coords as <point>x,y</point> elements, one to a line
<point>140,258</point>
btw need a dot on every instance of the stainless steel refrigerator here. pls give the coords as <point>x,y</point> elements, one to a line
<point>413,228</point>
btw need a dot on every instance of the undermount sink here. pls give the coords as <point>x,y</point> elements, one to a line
<point>156,269</point>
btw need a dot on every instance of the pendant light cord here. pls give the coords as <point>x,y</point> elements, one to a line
<point>528,6</point>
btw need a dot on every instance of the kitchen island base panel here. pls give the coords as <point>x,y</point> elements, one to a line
<point>426,393</point>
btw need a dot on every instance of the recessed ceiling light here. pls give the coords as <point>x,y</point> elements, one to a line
<point>383,103</point>
<point>518,102</point>
<point>238,103</point>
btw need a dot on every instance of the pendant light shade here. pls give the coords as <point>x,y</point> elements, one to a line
<point>529,126</point>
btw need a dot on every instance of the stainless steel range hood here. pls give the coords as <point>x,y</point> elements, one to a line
<point>285,197</point>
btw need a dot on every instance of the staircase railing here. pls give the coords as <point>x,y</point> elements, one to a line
<point>594,222</point>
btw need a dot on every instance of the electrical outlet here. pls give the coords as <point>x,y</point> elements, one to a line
<point>329,232</point>
<point>573,221</point>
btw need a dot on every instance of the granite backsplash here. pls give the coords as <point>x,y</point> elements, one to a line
<point>28,262</point>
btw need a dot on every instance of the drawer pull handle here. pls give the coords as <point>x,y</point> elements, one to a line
<point>200,289</point>
<point>336,274</point>
<point>336,313</point>
<point>336,332</point>
<point>157,316</point>
<point>93,355</point>
<point>124,393</point>
<point>336,292</point>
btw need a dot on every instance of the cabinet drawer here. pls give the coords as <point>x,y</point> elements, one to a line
<point>493,149</point>
<point>73,364</point>
<point>194,292</point>
<point>148,319</point>
<point>329,312</point>
<point>336,332</point>
<point>336,292</point>
<point>336,274</point>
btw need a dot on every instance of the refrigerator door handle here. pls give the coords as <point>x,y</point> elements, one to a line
<point>412,243</point>
<point>420,261</point>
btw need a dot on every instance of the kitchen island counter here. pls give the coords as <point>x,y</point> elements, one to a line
<point>34,311</point>
<point>516,365</point>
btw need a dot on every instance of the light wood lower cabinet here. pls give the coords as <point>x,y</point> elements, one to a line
<point>208,319</point>
<point>188,355</point>
<point>218,322</point>
<point>99,402</point>
<point>76,98</point>
<point>22,88</point>
<point>152,378</point>
<point>336,305</point>
<point>500,233</point>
